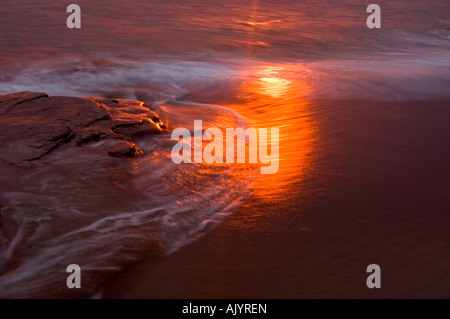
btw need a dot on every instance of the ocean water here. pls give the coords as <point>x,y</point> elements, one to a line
<point>229,63</point>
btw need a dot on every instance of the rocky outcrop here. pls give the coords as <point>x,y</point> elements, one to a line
<point>34,124</point>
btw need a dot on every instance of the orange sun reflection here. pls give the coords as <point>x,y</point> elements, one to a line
<point>274,97</point>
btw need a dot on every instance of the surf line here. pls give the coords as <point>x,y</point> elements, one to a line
<point>236,142</point>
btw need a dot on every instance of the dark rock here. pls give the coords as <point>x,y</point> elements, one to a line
<point>31,141</point>
<point>7,102</point>
<point>34,124</point>
<point>134,129</point>
<point>93,135</point>
<point>120,148</point>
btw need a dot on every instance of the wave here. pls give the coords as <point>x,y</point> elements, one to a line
<point>74,207</point>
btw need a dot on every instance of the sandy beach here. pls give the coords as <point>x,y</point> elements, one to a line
<point>367,199</point>
<point>91,180</point>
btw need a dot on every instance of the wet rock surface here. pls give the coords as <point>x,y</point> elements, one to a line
<point>68,164</point>
<point>35,124</point>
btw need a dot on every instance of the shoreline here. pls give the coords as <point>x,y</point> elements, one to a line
<point>360,183</point>
<point>94,186</point>
<point>376,194</point>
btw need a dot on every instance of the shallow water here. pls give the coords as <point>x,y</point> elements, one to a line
<point>265,60</point>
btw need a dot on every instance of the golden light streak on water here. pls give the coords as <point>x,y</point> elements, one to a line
<point>274,97</point>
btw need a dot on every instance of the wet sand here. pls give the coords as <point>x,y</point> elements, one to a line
<point>376,191</point>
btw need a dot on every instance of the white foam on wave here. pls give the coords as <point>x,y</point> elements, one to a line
<point>402,77</point>
<point>114,76</point>
<point>170,204</point>
<point>80,213</point>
